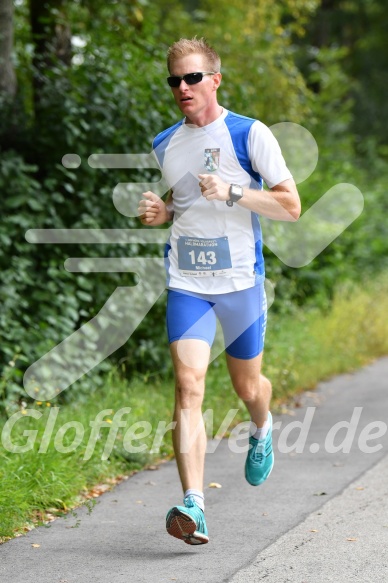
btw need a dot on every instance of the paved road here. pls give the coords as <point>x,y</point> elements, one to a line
<point>256,534</point>
<point>344,540</point>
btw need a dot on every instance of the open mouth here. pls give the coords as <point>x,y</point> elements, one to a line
<point>186,98</point>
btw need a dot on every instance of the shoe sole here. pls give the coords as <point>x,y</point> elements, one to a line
<point>183,527</point>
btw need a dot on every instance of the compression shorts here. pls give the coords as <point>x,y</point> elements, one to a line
<point>242,315</point>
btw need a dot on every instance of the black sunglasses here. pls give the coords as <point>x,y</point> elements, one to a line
<point>189,78</point>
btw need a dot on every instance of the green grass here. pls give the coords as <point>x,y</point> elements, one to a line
<point>313,346</point>
<point>302,348</point>
<point>34,481</point>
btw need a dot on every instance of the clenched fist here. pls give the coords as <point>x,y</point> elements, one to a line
<point>213,188</point>
<point>152,210</point>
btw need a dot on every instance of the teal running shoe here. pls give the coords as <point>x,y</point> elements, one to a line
<point>187,523</point>
<point>260,458</point>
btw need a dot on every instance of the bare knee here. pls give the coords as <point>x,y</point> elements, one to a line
<point>249,389</point>
<point>189,390</point>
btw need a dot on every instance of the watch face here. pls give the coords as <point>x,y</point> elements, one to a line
<point>235,192</point>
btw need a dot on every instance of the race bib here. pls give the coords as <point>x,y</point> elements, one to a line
<point>204,257</point>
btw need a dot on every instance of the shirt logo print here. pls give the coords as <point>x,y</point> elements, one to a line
<point>212,159</point>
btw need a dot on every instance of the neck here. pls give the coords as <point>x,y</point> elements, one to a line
<point>205,118</point>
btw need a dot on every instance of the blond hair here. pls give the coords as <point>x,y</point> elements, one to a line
<point>184,47</point>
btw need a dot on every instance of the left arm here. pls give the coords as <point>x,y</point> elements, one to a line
<point>281,203</point>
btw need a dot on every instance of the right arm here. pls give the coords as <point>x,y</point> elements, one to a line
<point>153,211</point>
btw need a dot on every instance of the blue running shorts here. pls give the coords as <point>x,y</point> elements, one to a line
<point>242,315</point>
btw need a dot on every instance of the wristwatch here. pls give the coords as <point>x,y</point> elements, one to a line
<point>235,193</point>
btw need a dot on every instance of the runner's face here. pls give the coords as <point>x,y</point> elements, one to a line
<point>198,101</point>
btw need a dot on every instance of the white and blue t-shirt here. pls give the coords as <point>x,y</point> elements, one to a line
<point>214,248</point>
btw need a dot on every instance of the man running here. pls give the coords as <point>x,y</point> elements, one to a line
<point>214,162</point>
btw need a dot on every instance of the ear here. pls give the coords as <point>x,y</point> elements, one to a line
<point>217,80</point>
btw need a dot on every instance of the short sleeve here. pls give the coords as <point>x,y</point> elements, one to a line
<point>266,156</point>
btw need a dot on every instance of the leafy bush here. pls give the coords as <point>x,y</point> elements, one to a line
<point>113,99</point>
<point>93,107</point>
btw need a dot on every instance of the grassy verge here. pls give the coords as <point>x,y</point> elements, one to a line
<point>313,346</point>
<point>75,451</point>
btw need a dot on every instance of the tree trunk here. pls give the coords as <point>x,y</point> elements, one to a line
<point>7,74</point>
<point>51,37</point>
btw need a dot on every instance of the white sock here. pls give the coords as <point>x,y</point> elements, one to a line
<point>198,497</point>
<point>260,432</point>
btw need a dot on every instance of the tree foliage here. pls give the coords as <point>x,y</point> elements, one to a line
<point>358,27</point>
<point>91,79</point>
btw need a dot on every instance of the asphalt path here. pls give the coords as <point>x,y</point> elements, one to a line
<point>321,516</point>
